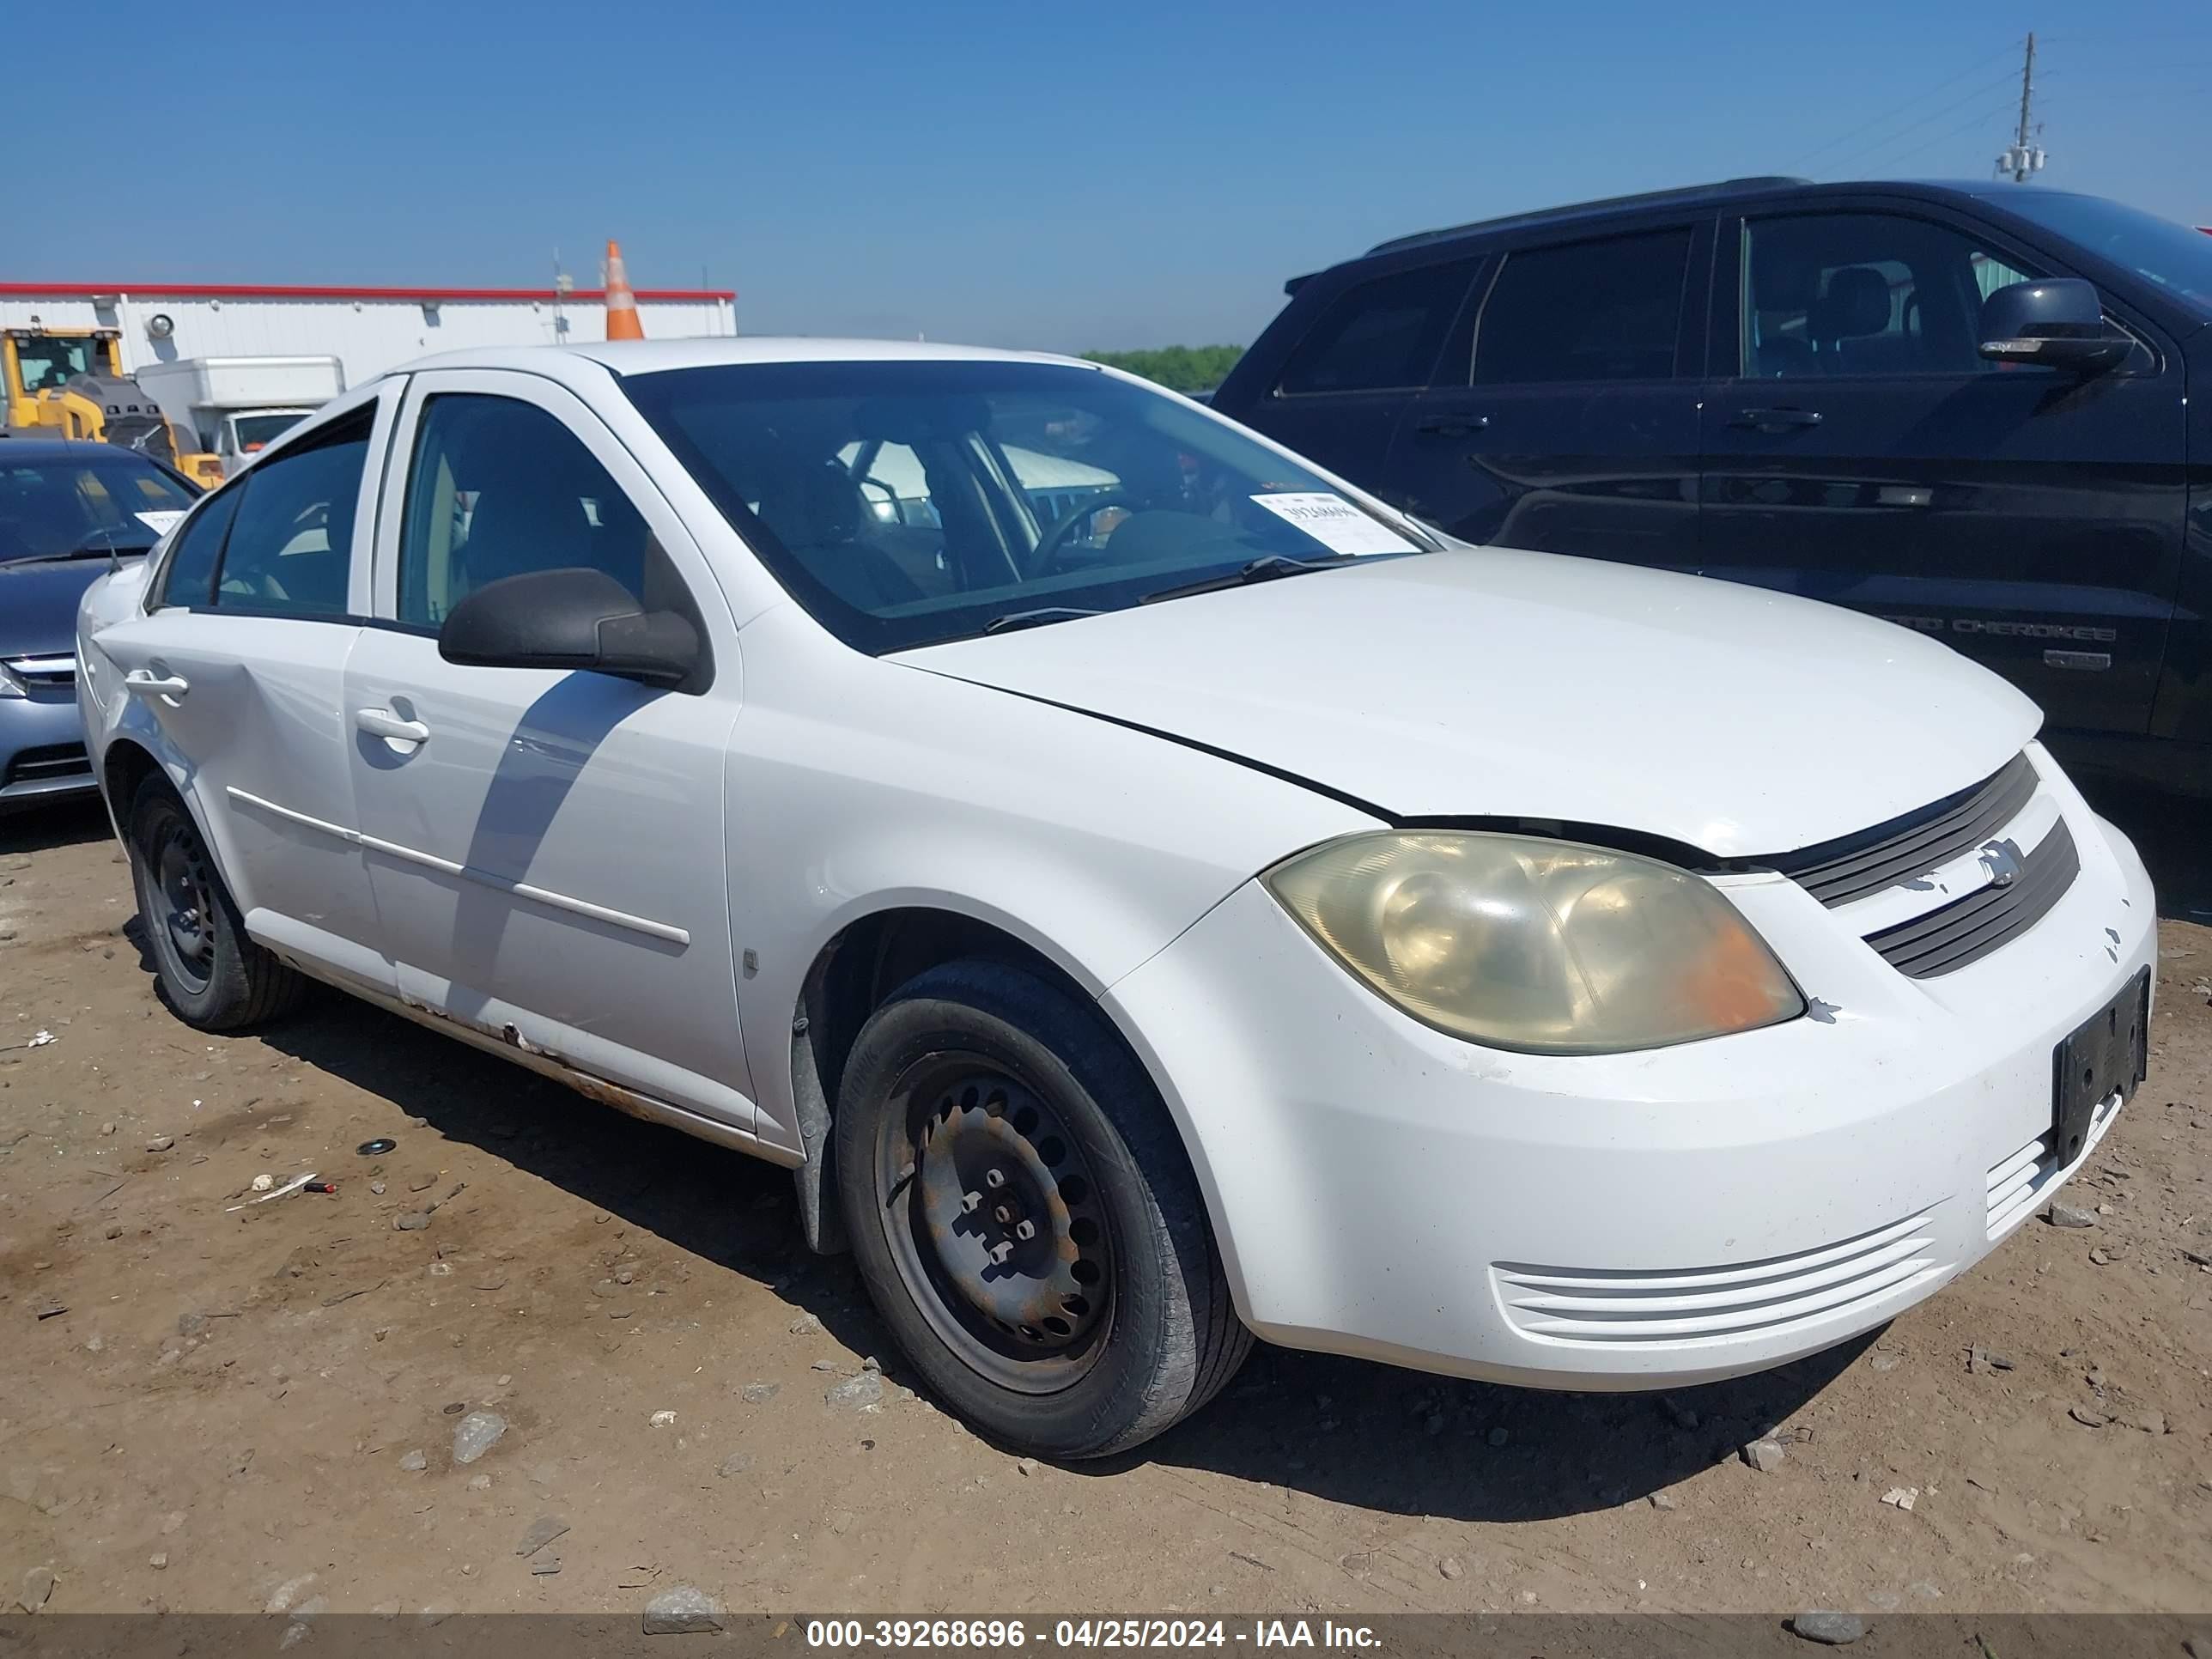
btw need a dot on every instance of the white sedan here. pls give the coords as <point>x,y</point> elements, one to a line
<point>1223,908</point>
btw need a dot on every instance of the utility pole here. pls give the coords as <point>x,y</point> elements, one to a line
<point>2024,158</point>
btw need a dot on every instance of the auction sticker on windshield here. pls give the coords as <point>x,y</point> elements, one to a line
<point>159,522</point>
<point>1335,523</point>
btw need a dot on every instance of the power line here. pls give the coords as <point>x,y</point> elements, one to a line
<point>1979,93</point>
<point>1967,125</point>
<point>1917,98</point>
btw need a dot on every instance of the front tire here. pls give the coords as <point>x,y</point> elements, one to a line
<point>209,971</point>
<point>1024,1216</point>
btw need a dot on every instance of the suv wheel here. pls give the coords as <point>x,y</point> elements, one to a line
<point>207,970</point>
<point>1024,1216</point>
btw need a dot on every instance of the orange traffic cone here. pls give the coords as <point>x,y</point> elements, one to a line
<point>622,304</point>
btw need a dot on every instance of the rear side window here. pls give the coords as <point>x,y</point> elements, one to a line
<point>1597,311</point>
<point>188,577</point>
<point>291,542</point>
<point>1383,334</point>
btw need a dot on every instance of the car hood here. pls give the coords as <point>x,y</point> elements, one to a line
<point>1492,683</point>
<point>38,604</point>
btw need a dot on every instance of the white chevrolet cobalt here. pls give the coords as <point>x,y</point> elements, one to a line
<point>1148,890</point>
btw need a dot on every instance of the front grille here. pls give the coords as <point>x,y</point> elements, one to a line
<point>47,674</point>
<point>1966,930</point>
<point>52,760</point>
<point>1837,872</point>
<point>1593,1306</point>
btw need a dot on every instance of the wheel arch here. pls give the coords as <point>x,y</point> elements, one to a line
<point>852,975</point>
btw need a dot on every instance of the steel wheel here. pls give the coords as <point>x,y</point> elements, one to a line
<point>183,897</point>
<point>994,1223</point>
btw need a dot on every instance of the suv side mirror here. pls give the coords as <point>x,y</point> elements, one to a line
<point>2058,320</point>
<point>569,619</point>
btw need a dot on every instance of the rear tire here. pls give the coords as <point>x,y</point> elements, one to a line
<point>979,1101</point>
<point>209,973</point>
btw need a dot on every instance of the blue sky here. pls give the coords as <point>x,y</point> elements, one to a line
<point>1121,173</point>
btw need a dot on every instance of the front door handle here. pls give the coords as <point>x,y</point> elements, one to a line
<point>383,723</point>
<point>1777,420</point>
<point>140,683</point>
<point>1453,426</point>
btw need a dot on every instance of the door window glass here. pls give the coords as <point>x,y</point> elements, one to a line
<point>1597,311</point>
<point>290,548</point>
<point>502,488</point>
<point>188,579</point>
<point>1835,293</point>
<point>1381,334</point>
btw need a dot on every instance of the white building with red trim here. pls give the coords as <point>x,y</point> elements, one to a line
<point>368,330</point>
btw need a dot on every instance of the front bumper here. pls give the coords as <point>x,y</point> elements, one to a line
<point>1635,1220</point>
<point>42,752</point>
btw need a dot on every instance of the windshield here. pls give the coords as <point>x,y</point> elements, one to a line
<point>256,432</point>
<point>47,361</point>
<point>2173,256</point>
<point>903,503</point>
<point>50,509</point>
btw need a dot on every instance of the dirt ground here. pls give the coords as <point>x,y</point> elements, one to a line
<point>211,1408</point>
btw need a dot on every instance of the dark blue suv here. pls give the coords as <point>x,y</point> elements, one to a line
<point>1961,407</point>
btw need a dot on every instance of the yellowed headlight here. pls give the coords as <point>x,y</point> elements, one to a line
<point>1541,946</point>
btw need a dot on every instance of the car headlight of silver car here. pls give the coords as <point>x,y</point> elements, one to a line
<point>1538,946</point>
<point>9,685</point>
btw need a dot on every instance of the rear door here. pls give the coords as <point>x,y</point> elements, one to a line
<point>1566,417</point>
<point>1362,356</point>
<point>239,662</point>
<point>1860,450</point>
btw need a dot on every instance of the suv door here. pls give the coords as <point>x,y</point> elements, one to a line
<point>546,847</point>
<point>1859,449</point>
<point>1357,358</point>
<point>1572,423</point>
<point>239,661</point>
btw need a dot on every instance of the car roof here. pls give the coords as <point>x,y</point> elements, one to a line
<point>652,356</point>
<point>64,449</point>
<point>1727,192</point>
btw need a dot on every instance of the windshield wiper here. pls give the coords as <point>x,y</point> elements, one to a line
<point>1266,567</point>
<point>1037,618</point>
<point>125,551</point>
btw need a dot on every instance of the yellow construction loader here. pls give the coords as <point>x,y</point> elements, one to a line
<point>70,383</point>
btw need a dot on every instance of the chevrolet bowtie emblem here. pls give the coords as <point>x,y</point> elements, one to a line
<point>2002,861</point>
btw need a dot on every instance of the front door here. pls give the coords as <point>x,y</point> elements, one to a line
<point>546,847</point>
<point>1859,449</point>
<point>239,659</point>
<point>1572,424</point>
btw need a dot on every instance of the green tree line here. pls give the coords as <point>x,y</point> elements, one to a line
<point>1178,368</point>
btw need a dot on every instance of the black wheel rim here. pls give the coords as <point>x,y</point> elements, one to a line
<point>995,1222</point>
<point>181,900</point>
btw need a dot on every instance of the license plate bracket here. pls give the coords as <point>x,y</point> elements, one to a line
<point>2108,1053</point>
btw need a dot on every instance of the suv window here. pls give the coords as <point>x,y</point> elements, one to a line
<point>188,577</point>
<point>1835,293</point>
<point>290,547</point>
<point>1380,334</point>
<point>501,487</point>
<point>1597,311</point>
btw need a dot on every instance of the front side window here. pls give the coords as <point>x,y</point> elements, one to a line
<point>1841,293</point>
<point>502,488</point>
<point>1381,335</point>
<point>903,503</point>
<point>88,507</point>
<point>1595,310</point>
<point>290,547</point>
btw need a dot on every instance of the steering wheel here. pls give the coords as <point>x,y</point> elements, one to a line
<point>1049,545</point>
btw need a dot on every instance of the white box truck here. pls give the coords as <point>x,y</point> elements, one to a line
<point>237,404</point>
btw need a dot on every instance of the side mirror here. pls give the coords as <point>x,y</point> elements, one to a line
<point>570,619</point>
<point>2058,321</point>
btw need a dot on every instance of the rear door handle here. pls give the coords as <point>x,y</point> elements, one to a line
<point>1777,420</point>
<point>140,683</point>
<point>383,723</point>
<point>1453,426</point>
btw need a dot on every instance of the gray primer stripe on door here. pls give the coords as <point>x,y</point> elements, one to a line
<point>482,877</point>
